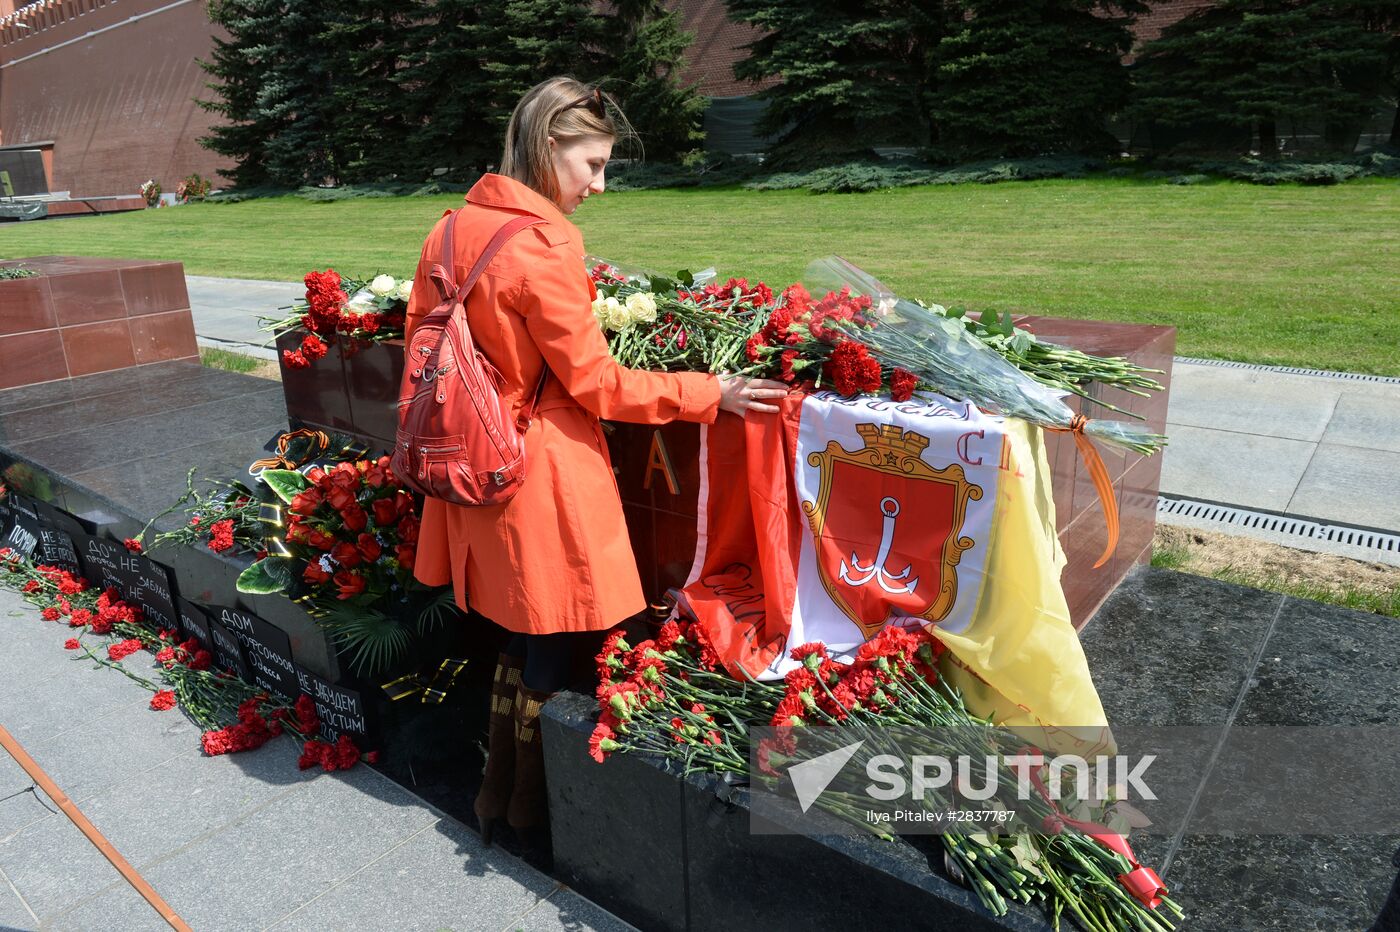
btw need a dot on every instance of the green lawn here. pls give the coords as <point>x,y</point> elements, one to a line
<point>1285,275</point>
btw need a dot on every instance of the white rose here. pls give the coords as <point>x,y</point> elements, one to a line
<point>616,314</point>
<point>600,310</point>
<point>383,286</point>
<point>361,301</point>
<point>405,287</point>
<point>642,306</point>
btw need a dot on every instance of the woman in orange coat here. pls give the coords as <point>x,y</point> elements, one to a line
<point>554,562</point>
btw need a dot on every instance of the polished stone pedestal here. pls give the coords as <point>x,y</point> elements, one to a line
<point>665,852</point>
<point>114,448</point>
<point>82,315</point>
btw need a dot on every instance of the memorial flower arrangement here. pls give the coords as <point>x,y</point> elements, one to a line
<point>233,715</point>
<point>370,310</point>
<point>859,338</point>
<point>343,542</point>
<point>669,697</point>
<point>223,517</point>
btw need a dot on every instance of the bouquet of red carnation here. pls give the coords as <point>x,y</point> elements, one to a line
<point>371,309</point>
<point>223,517</point>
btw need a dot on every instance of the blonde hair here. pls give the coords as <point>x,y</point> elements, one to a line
<point>565,109</point>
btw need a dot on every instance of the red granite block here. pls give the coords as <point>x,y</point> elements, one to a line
<point>27,358</point>
<point>1085,588</point>
<point>161,337</point>
<point>675,548</point>
<point>373,373</point>
<point>316,395</point>
<point>642,535</point>
<point>98,347</point>
<point>155,289</point>
<point>26,305</point>
<point>87,297</point>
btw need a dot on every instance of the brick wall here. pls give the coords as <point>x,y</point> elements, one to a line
<point>112,84</point>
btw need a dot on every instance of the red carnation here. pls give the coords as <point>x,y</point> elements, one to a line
<point>902,384</point>
<point>312,347</point>
<point>50,614</point>
<point>123,649</point>
<point>349,583</point>
<point>202,660</point>
<point>71,644</point>
<point>221,535</point>
<point>132,544</point>
<point>163,700</point>
<point>294,360</point>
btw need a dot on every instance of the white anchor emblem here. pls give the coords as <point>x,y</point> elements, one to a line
<point>876,570</point>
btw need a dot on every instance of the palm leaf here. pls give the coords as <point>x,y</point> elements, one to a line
<point>435,612</point>
<point>373,640</point>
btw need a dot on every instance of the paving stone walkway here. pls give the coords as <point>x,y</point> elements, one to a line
<point>240,842</point>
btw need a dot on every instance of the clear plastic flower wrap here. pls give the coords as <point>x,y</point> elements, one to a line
<point>942,353</point>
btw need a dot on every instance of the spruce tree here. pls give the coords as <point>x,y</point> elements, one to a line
<point>366,41</point>
<point>273,82</point>
<point>1033,77</point>
<point>1264,64</point>
<point>851,73</point>
<point>644,76</point>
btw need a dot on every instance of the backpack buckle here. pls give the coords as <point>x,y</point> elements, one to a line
<point>499,476</point>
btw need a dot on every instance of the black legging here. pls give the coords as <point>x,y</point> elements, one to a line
<point>549,657</point>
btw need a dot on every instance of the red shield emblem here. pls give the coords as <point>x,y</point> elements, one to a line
<point>887,528</point>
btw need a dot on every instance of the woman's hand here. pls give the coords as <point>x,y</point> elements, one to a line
<point>740,396</point>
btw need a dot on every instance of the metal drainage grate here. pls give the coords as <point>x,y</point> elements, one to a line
<point>1281,524</point>
<point>1292,370</point>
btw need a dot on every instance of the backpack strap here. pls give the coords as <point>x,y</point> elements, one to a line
<point>444,273</point>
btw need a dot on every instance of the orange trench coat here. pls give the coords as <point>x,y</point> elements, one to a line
<point>556,557</point>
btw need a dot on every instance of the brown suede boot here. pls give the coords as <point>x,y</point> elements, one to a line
<point>494,797</point>
<point>529,804</point>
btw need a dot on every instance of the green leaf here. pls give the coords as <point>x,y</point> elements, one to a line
<point>1021,342</point>
<point>1007,327</point>
<point>268,575</point>
<point>437,610</point>
<point>285,483</point>
<point>374,641</point>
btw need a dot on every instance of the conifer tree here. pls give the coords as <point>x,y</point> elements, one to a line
<point>644,76</point>
<point>1033,77</point>
<point>1263,64</point>
<point>273,85</point>
<point>852,73</point>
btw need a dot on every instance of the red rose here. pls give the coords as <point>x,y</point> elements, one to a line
<point>386,512</point>
<point>163,700</point>
<point>340,497</point>
<point>306,503</point>
<point>355,518</point>
<point>368,547</point>
<point>315,474</point>
<point>350,584</point>
<point>408,529</point>
<point>320,539</point>
<point>345,554</point>
<point>376,475</point>
<point>296,532</point>
<point>314,575</point>
<point>405,554</point>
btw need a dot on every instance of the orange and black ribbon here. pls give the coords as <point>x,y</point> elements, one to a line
<point>432,689</point>
<point>320,441</point>
<point>1102,484</point>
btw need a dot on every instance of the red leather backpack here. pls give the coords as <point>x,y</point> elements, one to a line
<point>457,439</point>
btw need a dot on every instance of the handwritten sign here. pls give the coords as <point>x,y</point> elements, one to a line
<point>193,622</point>
<point>56,549</point>
<point>139,580</point>
<point>266,647</point>
<point>338,707</point>
<point>22,533</point>
<point>228,651</point>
